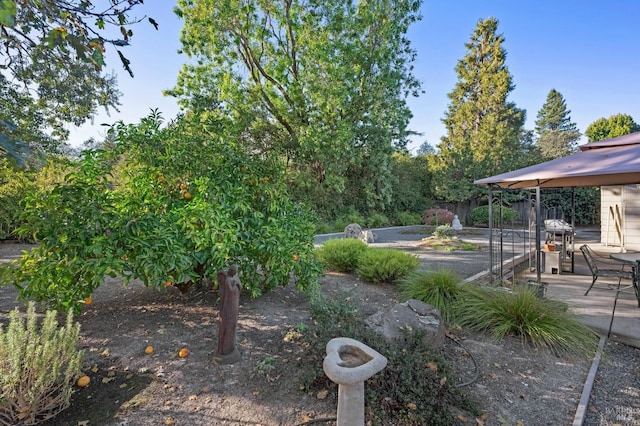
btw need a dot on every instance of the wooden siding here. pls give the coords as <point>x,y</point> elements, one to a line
<point>620,216</point>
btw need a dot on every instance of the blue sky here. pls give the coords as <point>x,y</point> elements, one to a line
<point>587,50</point>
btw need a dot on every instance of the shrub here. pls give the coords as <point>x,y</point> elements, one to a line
<point>37,367</point>
<point>390,394</point>
<point>469,246</point>
<point>377,220</point>
<point>444,232</point>
<point>348,217</point>
<point>385,265</point>
<point>324,228</point>
<point>437,216</point>
<point>407,218</point>
<point>541,322</point>
<point>441,289</point>
<point>341,254</point>
<point>480,215</point>
<point>13,185</point>
<point>159,207</point>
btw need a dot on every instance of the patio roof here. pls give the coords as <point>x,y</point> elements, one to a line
<point>610,162</point>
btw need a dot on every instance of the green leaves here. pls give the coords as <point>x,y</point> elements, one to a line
<point>59,68</point>
<point>8,13</point>
<point>97,58</point>
<point>557,135</point>
<point>483,127</point>
<point>171,205</point>
<point>286,73</point>
<point>614,126</point>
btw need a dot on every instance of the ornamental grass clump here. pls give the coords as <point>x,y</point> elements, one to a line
<point>38,366</point>
<point>385,265</point>
<point>444,232</point>
<point>441,289</point>
<point>540,322</point>
<point>341,254</point>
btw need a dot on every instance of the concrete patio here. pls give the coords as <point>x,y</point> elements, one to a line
<point>596,308</point>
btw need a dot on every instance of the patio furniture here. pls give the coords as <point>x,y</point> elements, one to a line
<point>602,266</point>
<point>632,259</point>
<point>560,233</point>
<point>551,262</point>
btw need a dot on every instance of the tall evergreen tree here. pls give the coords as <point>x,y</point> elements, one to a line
<point>557,136</point>
<point>612,127</point>
<point>483,128</point>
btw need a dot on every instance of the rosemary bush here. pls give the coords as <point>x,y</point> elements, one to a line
<point>38,366</point>
<point>385,265</point>
<point>341,254</point>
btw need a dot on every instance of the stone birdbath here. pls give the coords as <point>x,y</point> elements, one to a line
<point>349,363</point>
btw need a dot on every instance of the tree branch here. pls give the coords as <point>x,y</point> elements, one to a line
<point>245,54</point>
<point>254,59</point>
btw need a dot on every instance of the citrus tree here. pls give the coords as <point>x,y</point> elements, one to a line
<point>165,205</point>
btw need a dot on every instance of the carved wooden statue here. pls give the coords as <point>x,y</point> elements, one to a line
<point>229,287</point>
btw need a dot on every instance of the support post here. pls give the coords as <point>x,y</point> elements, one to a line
<point>538,230</point>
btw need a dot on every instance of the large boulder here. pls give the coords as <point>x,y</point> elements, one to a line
<point>410,317</point>
<point>354,230</point>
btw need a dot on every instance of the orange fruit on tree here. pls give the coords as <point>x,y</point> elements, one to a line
<point>148,350</point>
<point>184,352</point>
<point>88,300</point>
<point>83,381</point>
<point>295,257</point>
<point>167,284</point>
<point>187,195</point>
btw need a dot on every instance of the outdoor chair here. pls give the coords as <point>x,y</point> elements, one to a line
<point>602,266</point>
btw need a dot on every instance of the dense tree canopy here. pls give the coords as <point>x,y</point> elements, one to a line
<point>484,129</point>
<point>612,127</point>
<point>323,84</point>
<point>557,135</point>
<point>52,55</point>
<point>168,206</point>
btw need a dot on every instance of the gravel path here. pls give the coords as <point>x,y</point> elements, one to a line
<point>615,398</point>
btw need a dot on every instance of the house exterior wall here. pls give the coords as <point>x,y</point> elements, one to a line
<point>620,216</point>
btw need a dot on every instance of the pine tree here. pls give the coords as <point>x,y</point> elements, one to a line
<point>557,136</point>
<point>483,128</point>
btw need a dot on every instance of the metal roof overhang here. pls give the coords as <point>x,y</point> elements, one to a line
<point>611,162</point>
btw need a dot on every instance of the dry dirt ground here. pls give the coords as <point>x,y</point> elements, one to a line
<point>515,384</point>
